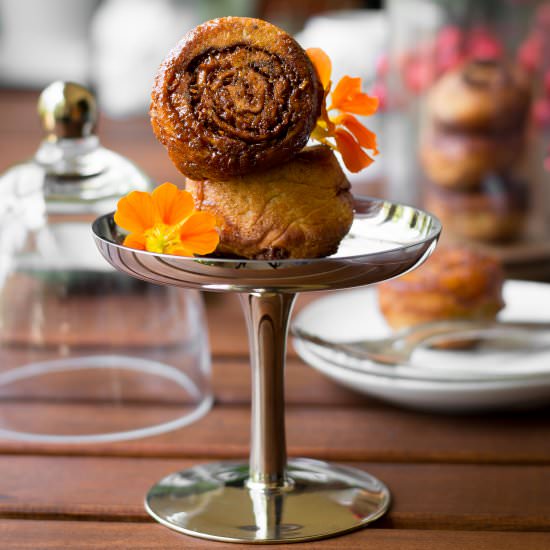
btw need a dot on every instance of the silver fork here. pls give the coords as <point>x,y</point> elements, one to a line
<point>398,348</point>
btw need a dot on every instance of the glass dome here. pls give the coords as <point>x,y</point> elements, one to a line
<point>82,344</point>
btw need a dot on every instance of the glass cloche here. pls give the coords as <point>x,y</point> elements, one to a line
<point>81,343</point>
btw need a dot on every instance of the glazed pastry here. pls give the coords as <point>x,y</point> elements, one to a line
<point>484,96</point>
<point>300,209</point>
<point>459,160</point>
<point>496,212</point>
<point>454,283</point>
<point>235,96</point>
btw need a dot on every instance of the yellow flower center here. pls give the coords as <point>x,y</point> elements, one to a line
<point>162,238</point>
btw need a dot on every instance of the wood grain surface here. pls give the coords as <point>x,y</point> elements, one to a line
<point>53,535</point>
<point>458,482</point>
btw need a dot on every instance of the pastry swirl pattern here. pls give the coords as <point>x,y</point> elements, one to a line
<point>235,96</point>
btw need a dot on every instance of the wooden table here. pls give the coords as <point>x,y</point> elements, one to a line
<point>457,482</point>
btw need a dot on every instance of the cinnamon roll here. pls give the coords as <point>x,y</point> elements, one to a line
<point>236,95</point>
<point>300,209</point>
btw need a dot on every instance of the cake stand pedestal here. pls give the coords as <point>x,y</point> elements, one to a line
<point>272,499</point>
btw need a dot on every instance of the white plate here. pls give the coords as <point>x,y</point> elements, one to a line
<point>452,381</point>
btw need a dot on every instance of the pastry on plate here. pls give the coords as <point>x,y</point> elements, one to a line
<point>456,282</point>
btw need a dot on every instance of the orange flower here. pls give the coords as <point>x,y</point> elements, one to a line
<point>343,132</point>
<point>165,221</point>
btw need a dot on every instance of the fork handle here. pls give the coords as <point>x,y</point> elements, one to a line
<point>421,332</point>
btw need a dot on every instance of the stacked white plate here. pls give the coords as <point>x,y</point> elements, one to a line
<point>483,377</point>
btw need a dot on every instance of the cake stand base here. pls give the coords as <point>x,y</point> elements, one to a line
<point>217,501</point>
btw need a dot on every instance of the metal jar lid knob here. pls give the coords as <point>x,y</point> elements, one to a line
<point>67,110</point>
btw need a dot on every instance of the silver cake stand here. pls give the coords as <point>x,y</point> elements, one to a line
<point>273,499</point>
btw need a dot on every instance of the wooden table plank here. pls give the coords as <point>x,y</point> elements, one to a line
<point>348,434</point>
<point>460,497</point>
<point>53,535</point>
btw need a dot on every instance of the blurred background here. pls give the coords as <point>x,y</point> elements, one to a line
<point>116,45</point>
<point>401,48</point>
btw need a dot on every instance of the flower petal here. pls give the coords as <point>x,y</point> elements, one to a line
<point>135,240</point>
<point>347,96</point>
<point>198,233</point>
<point>179,250</point>
<point>203,243</point>
<point>363,135</point>
<point>323,65</point>
<point>347,87</point>
<point>353,156</point>
<point>135,212</point>
<point>173,205</point>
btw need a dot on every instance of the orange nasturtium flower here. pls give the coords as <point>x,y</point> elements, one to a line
<point>350,136</point>
<point>165,221</point>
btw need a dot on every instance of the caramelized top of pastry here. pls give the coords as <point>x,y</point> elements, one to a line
<point>236,95</point>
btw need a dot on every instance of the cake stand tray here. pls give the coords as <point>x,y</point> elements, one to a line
<point>271,499</point>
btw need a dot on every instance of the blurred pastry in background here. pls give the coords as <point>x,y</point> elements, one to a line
<point>494,212</point>
<point>460,160</point>
<point>476,124</point>
<point>456,282</point>
<point>300,209</point>
<point>481,96</point>
<point>472,150</point>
